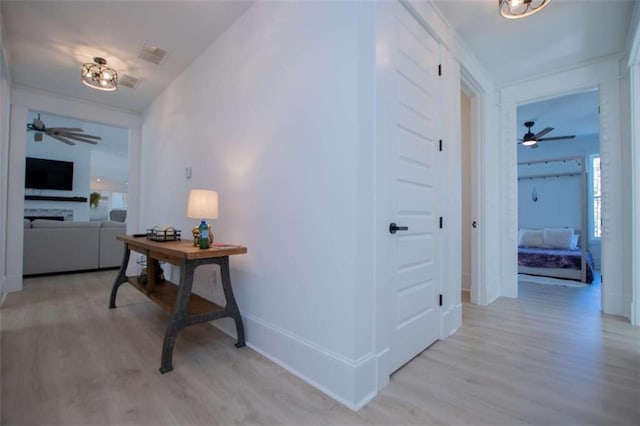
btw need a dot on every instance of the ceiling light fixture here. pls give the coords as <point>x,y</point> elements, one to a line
<point>516,9</point>
<point>99,76</point>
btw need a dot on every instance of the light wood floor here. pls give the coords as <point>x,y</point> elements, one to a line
<point>548,358</point>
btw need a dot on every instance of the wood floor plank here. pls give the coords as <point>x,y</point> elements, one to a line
<point>549,357</point>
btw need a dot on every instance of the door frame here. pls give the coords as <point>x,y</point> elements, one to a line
<point>472,89</point>
<point>603,75</point>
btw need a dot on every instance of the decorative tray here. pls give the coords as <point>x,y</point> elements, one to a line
<point>165,234</point>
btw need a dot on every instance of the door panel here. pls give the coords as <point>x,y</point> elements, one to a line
<point>414,185</point>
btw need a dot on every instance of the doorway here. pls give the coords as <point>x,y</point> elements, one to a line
<point>471,142</point>
<point>559,191</point>
<point>99,167</point>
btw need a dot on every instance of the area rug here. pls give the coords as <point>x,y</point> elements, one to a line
<point>550,281</point>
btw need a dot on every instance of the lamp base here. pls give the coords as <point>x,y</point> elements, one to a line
<point>196,235</point>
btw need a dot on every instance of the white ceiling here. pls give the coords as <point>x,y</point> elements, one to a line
<point>579,115</point>
<point>565,33</point>
<point>48,41</point>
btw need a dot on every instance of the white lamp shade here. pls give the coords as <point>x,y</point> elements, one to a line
<point>202,204</point>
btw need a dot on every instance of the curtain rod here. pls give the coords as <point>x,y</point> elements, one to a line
<point>550,175</point>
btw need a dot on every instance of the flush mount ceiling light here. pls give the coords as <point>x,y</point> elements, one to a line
<point>99,76</point>
<point>516,9</point>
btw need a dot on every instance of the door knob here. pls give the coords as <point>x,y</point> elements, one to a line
<point>474,224</point>
<point>393,228</point>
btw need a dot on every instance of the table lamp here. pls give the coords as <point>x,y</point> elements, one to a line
<point>202,204</point>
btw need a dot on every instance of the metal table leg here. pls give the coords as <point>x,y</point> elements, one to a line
<point>179,316</point>
<point>232,307</point>
<point>121,278</point>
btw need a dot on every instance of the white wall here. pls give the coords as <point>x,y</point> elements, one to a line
<point>5,98</point>
<point>634,125</point>
<point>277,118</point>
<point>557,202</point>
<point>22,101</point>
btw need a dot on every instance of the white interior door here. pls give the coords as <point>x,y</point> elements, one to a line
<point>414,179</point>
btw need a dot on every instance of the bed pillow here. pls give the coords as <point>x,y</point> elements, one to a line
<point>558,238</point>
<point>530,238</point>
<point>574,241</point>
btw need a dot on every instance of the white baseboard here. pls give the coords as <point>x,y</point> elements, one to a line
<point>617,304</point>
<point>350,382</point>
<point>3,293</point>
<point>12,283</point>
<point>451,321</point>
<point>466,281</point>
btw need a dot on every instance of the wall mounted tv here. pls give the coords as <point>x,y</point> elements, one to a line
<point>48,174</point>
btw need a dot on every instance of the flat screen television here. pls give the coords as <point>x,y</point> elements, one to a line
<point>48,174</point>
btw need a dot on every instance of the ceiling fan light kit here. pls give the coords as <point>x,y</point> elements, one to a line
<point>516,9</point>
<point>531,140</point>
<point>98,75</point>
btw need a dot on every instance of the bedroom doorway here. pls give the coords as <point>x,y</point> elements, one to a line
<point>559,208</point>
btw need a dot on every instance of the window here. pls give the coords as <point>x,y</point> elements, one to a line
<point>596,197</point>
<point>119,200</point>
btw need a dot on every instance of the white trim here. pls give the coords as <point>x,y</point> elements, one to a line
<point>633,38</point>
<point>451,319</point>
<point>567,69</point>
<point>25,99</point>
<point>477,279</point>
<point>634,120</point>
<point>605,76</point>
<point>331,373</point>
<point>635,185</point>
<point>3,293</point>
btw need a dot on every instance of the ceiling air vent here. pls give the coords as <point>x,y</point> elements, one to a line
<point>152,54</point>
<point>128,81</point>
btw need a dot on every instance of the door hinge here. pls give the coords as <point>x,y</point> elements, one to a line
<point>441,222</point>
<point>439,69</point>
<point>440,145</point>
<point>440,300</point>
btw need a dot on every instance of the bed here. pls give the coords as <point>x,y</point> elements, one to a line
<point>554,253</point>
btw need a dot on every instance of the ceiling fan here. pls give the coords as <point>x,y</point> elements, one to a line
<point>530,139</point>
<point>62,134</point>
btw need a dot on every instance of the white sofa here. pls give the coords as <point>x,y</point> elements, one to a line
<point>52,246</point>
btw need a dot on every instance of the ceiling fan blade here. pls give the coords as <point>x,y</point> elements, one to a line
<point>542,133</point>
<point>65,129</point>
<point>61,139</point>
<point>73,135</point>
<point>557,138</point>
<point>75,138</point>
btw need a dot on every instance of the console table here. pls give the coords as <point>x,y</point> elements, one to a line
<point>184,307</point>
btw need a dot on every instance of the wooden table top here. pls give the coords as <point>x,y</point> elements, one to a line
<point>181,249</point>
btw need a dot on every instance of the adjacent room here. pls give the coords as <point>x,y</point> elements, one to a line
<point>76,176</point>
<point>559,191</point>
